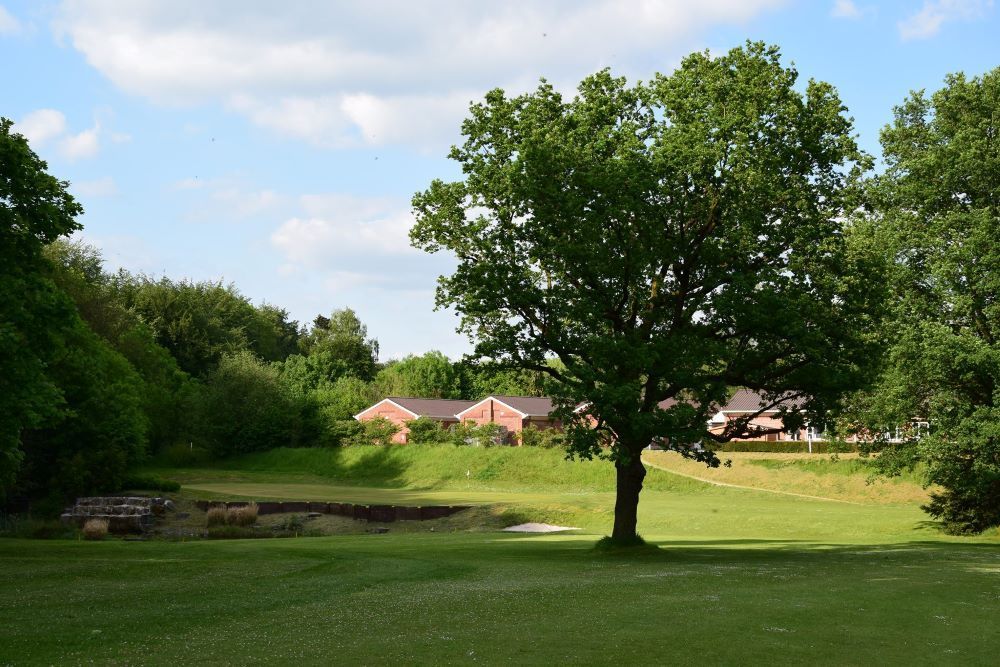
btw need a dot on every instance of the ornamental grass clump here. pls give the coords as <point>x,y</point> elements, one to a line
<point>95,529</point>
<point>242,516</point>
<point>216,516</point>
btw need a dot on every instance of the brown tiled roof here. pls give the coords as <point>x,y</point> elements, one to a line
<point>745,400</point>
<point>439,408</point>
<point>531,406</point>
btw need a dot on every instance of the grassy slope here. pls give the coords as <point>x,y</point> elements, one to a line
<point>537,484</point>
<point>843,477</point>
<point>428,467</point>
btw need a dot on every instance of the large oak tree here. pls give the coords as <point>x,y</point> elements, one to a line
<point>666,241</point>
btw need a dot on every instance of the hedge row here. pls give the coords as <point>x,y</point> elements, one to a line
<point>786,446</point>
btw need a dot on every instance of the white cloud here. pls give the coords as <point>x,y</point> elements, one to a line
<point>82,145</point>
<point>378,72</point>
<point>935,13</point>
<point>46,126</point>
<point>8,24</point>
<point>101,187</point>
<point>845,9</point>
<point>40,126</point>
<point>361,229</point>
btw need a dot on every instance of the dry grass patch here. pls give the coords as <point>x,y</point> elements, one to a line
<point>245,515</point>
<point>242,516</point>
<point>95,529</point>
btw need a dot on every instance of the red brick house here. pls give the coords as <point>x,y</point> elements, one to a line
<point>514,413</point>
<point>400,410</point>
<point>745,402</point>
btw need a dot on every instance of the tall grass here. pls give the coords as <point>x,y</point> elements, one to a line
<point>245,515</point>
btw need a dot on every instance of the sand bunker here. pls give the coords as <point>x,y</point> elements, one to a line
<point>537,528</point>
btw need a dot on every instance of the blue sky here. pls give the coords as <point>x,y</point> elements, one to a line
<point>279,148</point>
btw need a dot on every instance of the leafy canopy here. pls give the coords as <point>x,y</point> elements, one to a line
<point>937,215</point>
<point>35,317</point>
<point>665,240</point>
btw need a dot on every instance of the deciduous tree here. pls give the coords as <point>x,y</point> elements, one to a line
<point>35,210</point>
<point>937,214</point>
<point>664,240</point>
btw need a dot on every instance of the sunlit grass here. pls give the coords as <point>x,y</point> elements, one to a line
<point>497,599</point>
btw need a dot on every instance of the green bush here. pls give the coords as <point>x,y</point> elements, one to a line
<point>536,437</point>
<point>246,407</point>
<point>482,435</point>
<point>427,431</point>
<point>786,446</point>
<point>378,431</point>
<point>140,482</point>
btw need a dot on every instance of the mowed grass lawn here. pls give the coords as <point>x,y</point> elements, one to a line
<point>740,577</point>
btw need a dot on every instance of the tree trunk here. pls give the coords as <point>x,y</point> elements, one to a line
<point>630,476</point>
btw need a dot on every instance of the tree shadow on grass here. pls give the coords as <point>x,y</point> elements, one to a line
<point>764,551</point>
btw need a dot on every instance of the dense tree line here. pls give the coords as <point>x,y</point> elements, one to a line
<point>103,370</point>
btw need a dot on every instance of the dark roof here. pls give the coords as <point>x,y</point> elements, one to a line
<point>531,406</point>
<point>440,408</point>
<point>745,400</point>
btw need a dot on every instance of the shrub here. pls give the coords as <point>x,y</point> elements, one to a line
<point>425,430</point>
<point>294,523</point>
<point>483,435</point>
<point>242,516</point>
<point>216,516</point>
<point>245,406</point>
<point>536,437</point>
<point>378,431</point>
<point>95,529</point>
<point>140,482</point>
<point>790,446</point>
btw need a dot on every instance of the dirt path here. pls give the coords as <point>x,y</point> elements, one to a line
<point>747,488</point>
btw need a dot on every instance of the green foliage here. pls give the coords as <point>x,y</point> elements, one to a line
<point>479,435</point>
<point>89,448</point>
<point>77,268</point>
<point>547,437</point>
<point>35,210</point>
<point>936,215</point>
<point>427,431</point>
<point>431,375</point>
<point>484,378</point>
<point>824,447</point>
<point>200,322</point>
<point>662,240</point>
<point>378,431</point>
<point>246,407</point>
<point>340,346</point>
